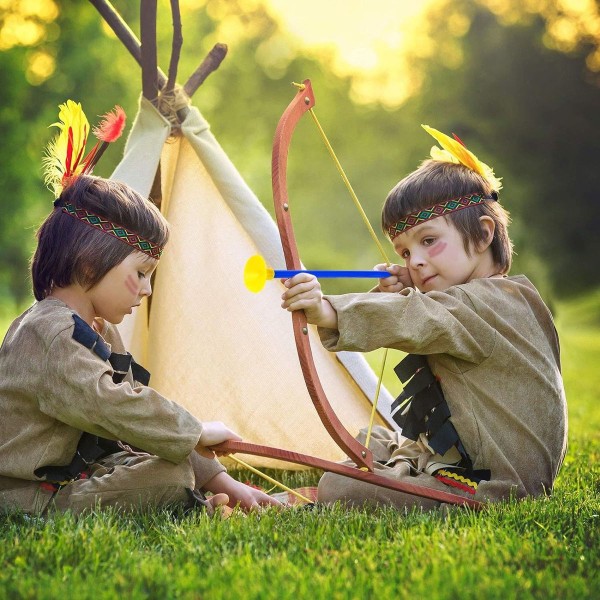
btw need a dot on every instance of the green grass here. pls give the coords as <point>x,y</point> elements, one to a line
<point>546,548</point>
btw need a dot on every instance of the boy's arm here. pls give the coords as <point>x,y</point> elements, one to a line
<point>433,323</point>
<point>78,390</point>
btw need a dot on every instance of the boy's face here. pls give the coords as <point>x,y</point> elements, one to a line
<point>123,287</point>
<point>435,256</point>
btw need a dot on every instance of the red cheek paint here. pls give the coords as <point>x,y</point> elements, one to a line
<point>132,284</point>
<point>436,249</point>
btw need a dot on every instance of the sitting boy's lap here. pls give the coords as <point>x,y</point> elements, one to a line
<point>128,480</point>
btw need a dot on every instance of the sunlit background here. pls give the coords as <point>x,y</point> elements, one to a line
<point>518,80</point>
<point>371,41</point>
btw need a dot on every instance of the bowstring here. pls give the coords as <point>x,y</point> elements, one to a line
<point>270,479</point>
<point>373,235</point>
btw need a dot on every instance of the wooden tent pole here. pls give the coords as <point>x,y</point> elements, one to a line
<point>210,63</point>
<point>124,33</point>
<point>130,41</point>
<point>176,45</point>
<point>148,50</point>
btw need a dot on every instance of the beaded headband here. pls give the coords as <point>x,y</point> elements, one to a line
<point>437,210</point>
<point>117,231</point>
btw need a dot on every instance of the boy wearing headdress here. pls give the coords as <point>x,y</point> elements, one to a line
<point>81,428</point>
<point>483,410</point>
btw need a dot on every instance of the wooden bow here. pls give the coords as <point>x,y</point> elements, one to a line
<point>358,453</point>
<point>304,101</point>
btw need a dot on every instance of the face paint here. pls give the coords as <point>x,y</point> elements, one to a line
<point>132,285</point>
<point>436,249</point>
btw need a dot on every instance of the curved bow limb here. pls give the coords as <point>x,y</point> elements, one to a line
<point>352,472</point>
<point>303,102</point>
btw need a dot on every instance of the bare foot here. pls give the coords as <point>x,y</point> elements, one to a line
<point>217,505</point>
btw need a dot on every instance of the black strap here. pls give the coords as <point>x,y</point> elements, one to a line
<point>409,365</point>
<point>415,420</point>
<point>89,449</point>
<point>444,438</point>
<point>422,379</point>
<point>139,373</point>
<point>86,336</point>
<point>438,417</point>
<point>121,363</point>
<point>428,411</point>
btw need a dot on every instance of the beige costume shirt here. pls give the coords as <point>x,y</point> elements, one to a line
<point>493,346</point>
<point>53,388</point>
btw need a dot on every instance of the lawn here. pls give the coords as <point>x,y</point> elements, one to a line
<point>547,548</point>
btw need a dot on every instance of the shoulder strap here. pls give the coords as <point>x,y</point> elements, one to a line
<point>121,363</point>
<point>87,337</point>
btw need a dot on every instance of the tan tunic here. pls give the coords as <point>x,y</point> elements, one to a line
<point>493,346</point>
<point>52,388</point>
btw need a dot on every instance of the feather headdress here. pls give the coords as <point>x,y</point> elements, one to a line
<point>64,155</point>
<point>454,151</point>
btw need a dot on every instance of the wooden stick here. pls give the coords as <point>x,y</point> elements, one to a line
<point>211,63</point>
<point>130,41</point>
<point>303,102</point>
<point>230,447</point>
<point>148,49</point>
<point>176,45</point>
<point>124,33</point>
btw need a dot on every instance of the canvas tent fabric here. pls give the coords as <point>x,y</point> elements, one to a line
<point>219,350</point>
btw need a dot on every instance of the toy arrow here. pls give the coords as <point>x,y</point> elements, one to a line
<point>256,273</point>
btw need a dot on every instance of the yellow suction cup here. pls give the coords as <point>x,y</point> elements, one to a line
<point>256,273</point>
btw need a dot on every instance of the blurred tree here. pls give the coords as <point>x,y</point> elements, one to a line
<point>523,107</point>
<point>48,53</point>
<point>530,111</point>
<point>570,26</point>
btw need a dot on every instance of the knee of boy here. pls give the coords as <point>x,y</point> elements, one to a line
<point>332,488</point>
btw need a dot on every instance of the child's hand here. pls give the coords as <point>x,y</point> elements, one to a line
<point>304,293</point>
<point>400,278</point>
<point>214,432</point>
<point>240,494</point>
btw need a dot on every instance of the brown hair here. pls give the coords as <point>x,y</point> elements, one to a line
<point>70,251</point>
<point>436,181</point>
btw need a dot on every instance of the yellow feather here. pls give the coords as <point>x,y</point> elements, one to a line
<point>443,155</point>
<point>453,151</point>
<point>56,169</point>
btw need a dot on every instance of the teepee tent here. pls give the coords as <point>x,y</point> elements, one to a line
<point>211,345</point>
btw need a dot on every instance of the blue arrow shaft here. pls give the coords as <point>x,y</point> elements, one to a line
<point>283,274</point>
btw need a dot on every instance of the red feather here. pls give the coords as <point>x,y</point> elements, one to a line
<point>80,153</point>
<point>112,125</point>
<point>458,139</point>
<point>69,156</point>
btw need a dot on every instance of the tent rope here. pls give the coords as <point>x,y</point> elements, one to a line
<point>169,103</point>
